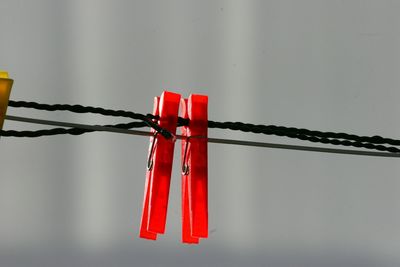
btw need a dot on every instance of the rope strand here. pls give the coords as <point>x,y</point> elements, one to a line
<point>88,109</point>
<point>373,142</point>
<point>71,131</point>
<point>210,140</point>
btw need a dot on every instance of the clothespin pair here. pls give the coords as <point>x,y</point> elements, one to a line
<point>5,90</point>
<point>194,168</point>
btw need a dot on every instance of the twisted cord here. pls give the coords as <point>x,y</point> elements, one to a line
<point>282,130</point>
<point>71,131</point>
<point>237,126</point>
<point>95,110</point>
<point>374,142</point>
<point>345,143</point>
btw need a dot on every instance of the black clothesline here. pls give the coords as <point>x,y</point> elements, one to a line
<point>148,120</point>
<point>90,128</point>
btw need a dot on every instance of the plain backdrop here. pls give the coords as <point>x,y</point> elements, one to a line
<point>325,65</point>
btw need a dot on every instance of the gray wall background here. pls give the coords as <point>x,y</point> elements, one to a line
<point>326,65</point>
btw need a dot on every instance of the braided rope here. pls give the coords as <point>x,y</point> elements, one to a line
<point>88,109</point>
<point>71,131</point>
<point>374,142</point>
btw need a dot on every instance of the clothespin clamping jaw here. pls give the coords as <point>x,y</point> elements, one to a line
<point>159,167</point>
<point>5,90</point>
<point>194,169</point>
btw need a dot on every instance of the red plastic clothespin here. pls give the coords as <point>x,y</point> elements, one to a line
<point>159,167</point>
<point>195,169</point>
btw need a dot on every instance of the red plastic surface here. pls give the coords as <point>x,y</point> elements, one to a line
<point>144,233</point>
<point>186,228</point>
<point>162,163</point>
<point>197,179</point>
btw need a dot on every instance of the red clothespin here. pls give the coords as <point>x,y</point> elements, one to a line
<point>195,169</point>
<point>159,167</point>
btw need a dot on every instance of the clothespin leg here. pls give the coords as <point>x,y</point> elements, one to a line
<point>144,233</point>
<point>198,165</point>
<point>186,225</point>
<point>162,166</point>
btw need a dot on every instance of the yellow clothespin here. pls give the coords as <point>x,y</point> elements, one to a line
<point>5,90</point>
